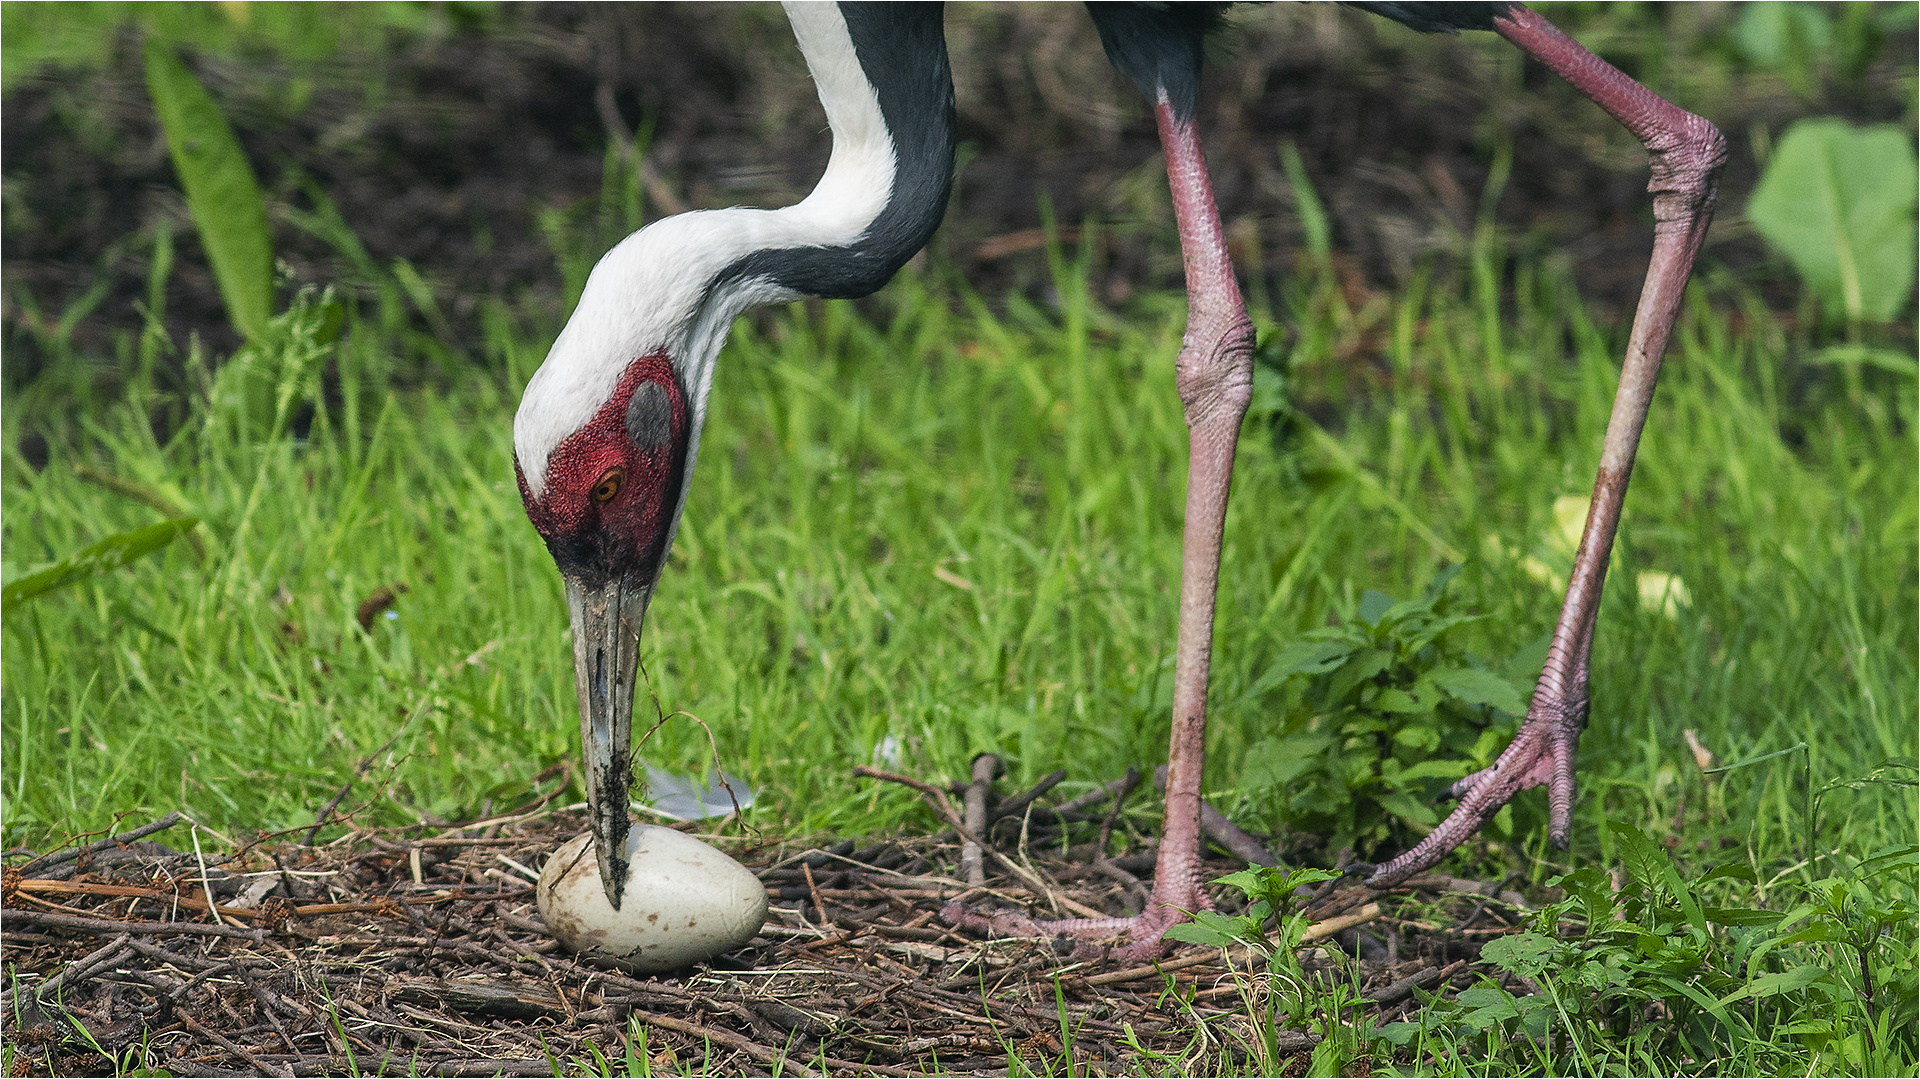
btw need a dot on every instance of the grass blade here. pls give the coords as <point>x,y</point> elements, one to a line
<point>221,190</point>
<point>108,554</point>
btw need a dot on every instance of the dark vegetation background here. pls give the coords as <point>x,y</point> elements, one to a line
<point>466,138</point>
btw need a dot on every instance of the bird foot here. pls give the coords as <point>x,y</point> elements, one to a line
<point>1130,940</point>
<point>1541,754</point>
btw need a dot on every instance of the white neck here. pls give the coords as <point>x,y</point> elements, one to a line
<point>654,291</point>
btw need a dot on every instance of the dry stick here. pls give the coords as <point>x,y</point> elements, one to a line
<point>264,997</point>
<point>179,992</point>
<point>734,1041</point>
<point>235,1048</point>
<point>937,798</point>
<point>819,905</point>
<point>189,962</point>
<point>48,861</point>
<point>1402,989</point>
<point>79,970</point>
<point>1092,797</point>
<point>1134,885</point>
<point>1317,931</point>
<point>971,868</point>
<point>477,1069</point>
<point>102,925</point>
<point>1018,804</point>
<point>1127,783</point>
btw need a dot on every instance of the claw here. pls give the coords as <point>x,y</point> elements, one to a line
<point>1541,754</point>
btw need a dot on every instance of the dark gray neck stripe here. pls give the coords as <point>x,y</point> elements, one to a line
<point>904,56</point>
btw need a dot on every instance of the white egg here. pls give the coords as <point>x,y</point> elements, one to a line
<point>684,902</point>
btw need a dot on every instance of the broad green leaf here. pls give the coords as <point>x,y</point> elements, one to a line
<point>1360,668</point>
<point>1434,769</point>
<point>1733,870</point>
<point>1838,201</point>
<point>1486,1005</point>
<point>1213,930</point>
<point>108,554</point>
<point>221,191</point>
<point>1475,686</point>
<point>1413,643</point>
<point>1407,807</point>
<point>1302,657</point>
<point>1390,699</point>
<point>1742,916</point>
<point>1768,985</point>
<point>1247,880</point>
<point>1650,865</point>
<point>1374,606</point>
<point>1525,954</point>
<point>1276,762</point>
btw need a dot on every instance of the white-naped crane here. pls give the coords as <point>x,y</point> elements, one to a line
<point>609,428</point>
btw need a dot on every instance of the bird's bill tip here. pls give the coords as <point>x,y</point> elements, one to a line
<point>606,619</point>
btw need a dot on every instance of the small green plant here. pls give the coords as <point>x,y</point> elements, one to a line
<point>1667,968</point>
<point>1283,988</point>
<point>1377,700</point>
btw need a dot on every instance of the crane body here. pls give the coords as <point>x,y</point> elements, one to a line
<point>607,434</point>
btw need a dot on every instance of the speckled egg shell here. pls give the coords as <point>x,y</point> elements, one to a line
<point>684,902</point>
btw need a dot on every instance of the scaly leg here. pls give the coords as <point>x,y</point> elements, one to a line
<point>1686,154</point>
<point>1214,375</point>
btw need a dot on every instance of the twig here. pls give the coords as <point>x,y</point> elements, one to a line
<point>734,1041</point>
<point>48,861</point>
<point>1018,804</point>
<point>819,905</point>
<point>1091,798</point>
<point>1402,989</point>
<point>1127,783</point>
<point>265,999</point>
<point>320,821</point>
<point>937,798</point>
<point>80,969</point>
<point>206,884</point>
<point>232,1047</point>
<point>1317,931</point>
<point>102,925</point>
<point>971,869</point>
<point>1136,888</point>
<point>188,962</point>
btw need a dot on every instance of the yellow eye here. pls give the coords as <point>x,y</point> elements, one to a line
<point>608,486</point>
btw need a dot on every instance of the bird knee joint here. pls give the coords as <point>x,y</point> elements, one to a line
<point>1214,374</point>
<point>1686,159</point>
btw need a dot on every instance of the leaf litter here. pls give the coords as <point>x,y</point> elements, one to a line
<point>418,950</point>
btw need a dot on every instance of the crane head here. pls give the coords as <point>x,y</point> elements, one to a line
<point>604,498</point>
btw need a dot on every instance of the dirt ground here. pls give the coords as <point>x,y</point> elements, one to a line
<point>419,951</point>
<point>445,149</point>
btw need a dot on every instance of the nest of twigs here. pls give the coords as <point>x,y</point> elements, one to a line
<point>418,951</point>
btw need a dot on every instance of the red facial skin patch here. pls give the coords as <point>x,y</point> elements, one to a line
<point>597,540</point>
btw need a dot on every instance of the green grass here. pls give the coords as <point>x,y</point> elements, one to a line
<point>955,525</point>
<point>1034,456</point>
